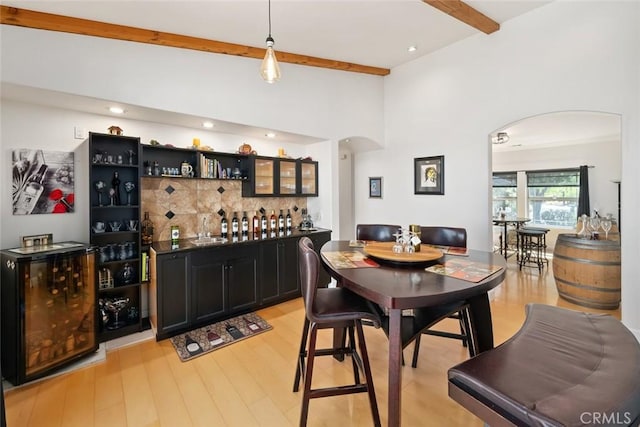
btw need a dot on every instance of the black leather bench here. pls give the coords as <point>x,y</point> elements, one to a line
<point>562,368</point>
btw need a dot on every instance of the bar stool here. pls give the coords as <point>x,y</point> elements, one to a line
<point>531,244</point>
<point>543,238</point>
<point>331,308</point>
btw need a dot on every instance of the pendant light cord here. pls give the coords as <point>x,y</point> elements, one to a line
<point>269,18</point>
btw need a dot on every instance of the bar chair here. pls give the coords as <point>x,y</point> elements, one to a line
<point>331,308</point>
<point>377,232</point>
<point>457,237</point>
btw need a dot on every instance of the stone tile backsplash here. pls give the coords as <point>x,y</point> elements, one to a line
<point>187,202</point>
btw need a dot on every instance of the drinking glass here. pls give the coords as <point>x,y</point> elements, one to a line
<point>605,223</point>
<point>131,153</point>
<point>116,306</point>
<point>128,188</point>
<point>399,246</point>
<point>100,186</point>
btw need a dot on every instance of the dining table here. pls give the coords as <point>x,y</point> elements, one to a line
<point>399,286</point>
<point>504,222</point>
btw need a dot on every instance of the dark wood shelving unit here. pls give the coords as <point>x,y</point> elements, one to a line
<point>119,245</point>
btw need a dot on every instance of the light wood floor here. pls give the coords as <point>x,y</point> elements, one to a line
<point>249,383</point>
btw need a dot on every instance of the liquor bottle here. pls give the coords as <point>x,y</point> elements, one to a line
<point>31,192</point>
<point>263,224</point>
<point>234,225</point>
<point>224,231</point>
<point>245,224</point>
<point>53,288</point>
<point>175,234</point>
<point>272,221</point>
<point>288,220</point>
<point>192,346</point>
<point>147,230</point>
<point>256,224</point>
<point>280,222</point>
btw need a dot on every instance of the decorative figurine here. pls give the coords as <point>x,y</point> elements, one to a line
<point>115,130</point>
<point>115,186</point>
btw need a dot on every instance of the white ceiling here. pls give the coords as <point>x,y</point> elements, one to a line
<point>367,32</point>
<point>560,128</point>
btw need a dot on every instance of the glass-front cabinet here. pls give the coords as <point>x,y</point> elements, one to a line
<point>308,178</point>
<point>288,173</point>
<point>262,175</point>
<point>273,176</point>
<point>48,308</point>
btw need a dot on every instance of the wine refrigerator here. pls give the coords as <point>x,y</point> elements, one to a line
<point>49,313</point>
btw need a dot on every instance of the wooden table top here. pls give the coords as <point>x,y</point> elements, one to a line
<point>384,251</point>
<point>403,287</point>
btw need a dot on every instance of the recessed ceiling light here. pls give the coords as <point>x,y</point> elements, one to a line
<point>116,110</point>
<point>412,49</point>
<point>207,125</point>
<point>270,135</point>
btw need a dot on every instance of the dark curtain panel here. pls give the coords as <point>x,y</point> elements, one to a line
<point>583,197</point>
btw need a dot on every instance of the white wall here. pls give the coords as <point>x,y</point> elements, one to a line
<point>52,129</point>
<point>559,57</point>
<point>311,101</point>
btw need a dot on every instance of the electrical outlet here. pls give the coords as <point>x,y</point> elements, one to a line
<point>79,132</point>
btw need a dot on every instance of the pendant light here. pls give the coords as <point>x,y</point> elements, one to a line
<point>270,70</point>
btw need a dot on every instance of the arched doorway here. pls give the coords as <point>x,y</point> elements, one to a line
<point>559,141</point>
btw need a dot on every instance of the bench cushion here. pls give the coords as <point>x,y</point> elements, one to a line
<point>561,368</point>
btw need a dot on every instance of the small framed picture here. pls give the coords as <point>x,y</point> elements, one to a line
<point>37,240</point>
<point>429,175</point>
<point>375,187</point>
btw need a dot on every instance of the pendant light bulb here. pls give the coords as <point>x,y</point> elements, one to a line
<point>270,70</point>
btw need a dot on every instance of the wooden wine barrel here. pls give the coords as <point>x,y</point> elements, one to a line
<point>587,272</point>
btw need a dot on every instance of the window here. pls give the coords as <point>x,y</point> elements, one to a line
<point>505,193</point>
<point>553,197</point>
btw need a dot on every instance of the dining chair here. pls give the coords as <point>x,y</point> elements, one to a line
<point>377,232</point>
<point>331,308</point>
<point>457,237</point>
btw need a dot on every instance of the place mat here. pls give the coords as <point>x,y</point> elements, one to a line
<point>470,271</point>
<point>348,259</point>
<point>384,250</point>
<point>212,337</point>
<point>451,250</point>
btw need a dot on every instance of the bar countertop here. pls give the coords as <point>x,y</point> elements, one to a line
<point>192,244</point>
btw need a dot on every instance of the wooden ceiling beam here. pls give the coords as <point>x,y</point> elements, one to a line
<point>66,24</point>
<point>465,13</point>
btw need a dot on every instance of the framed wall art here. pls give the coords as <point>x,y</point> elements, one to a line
<point>375,187</point>
<point>429,175</point>
<point>43,182</point>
